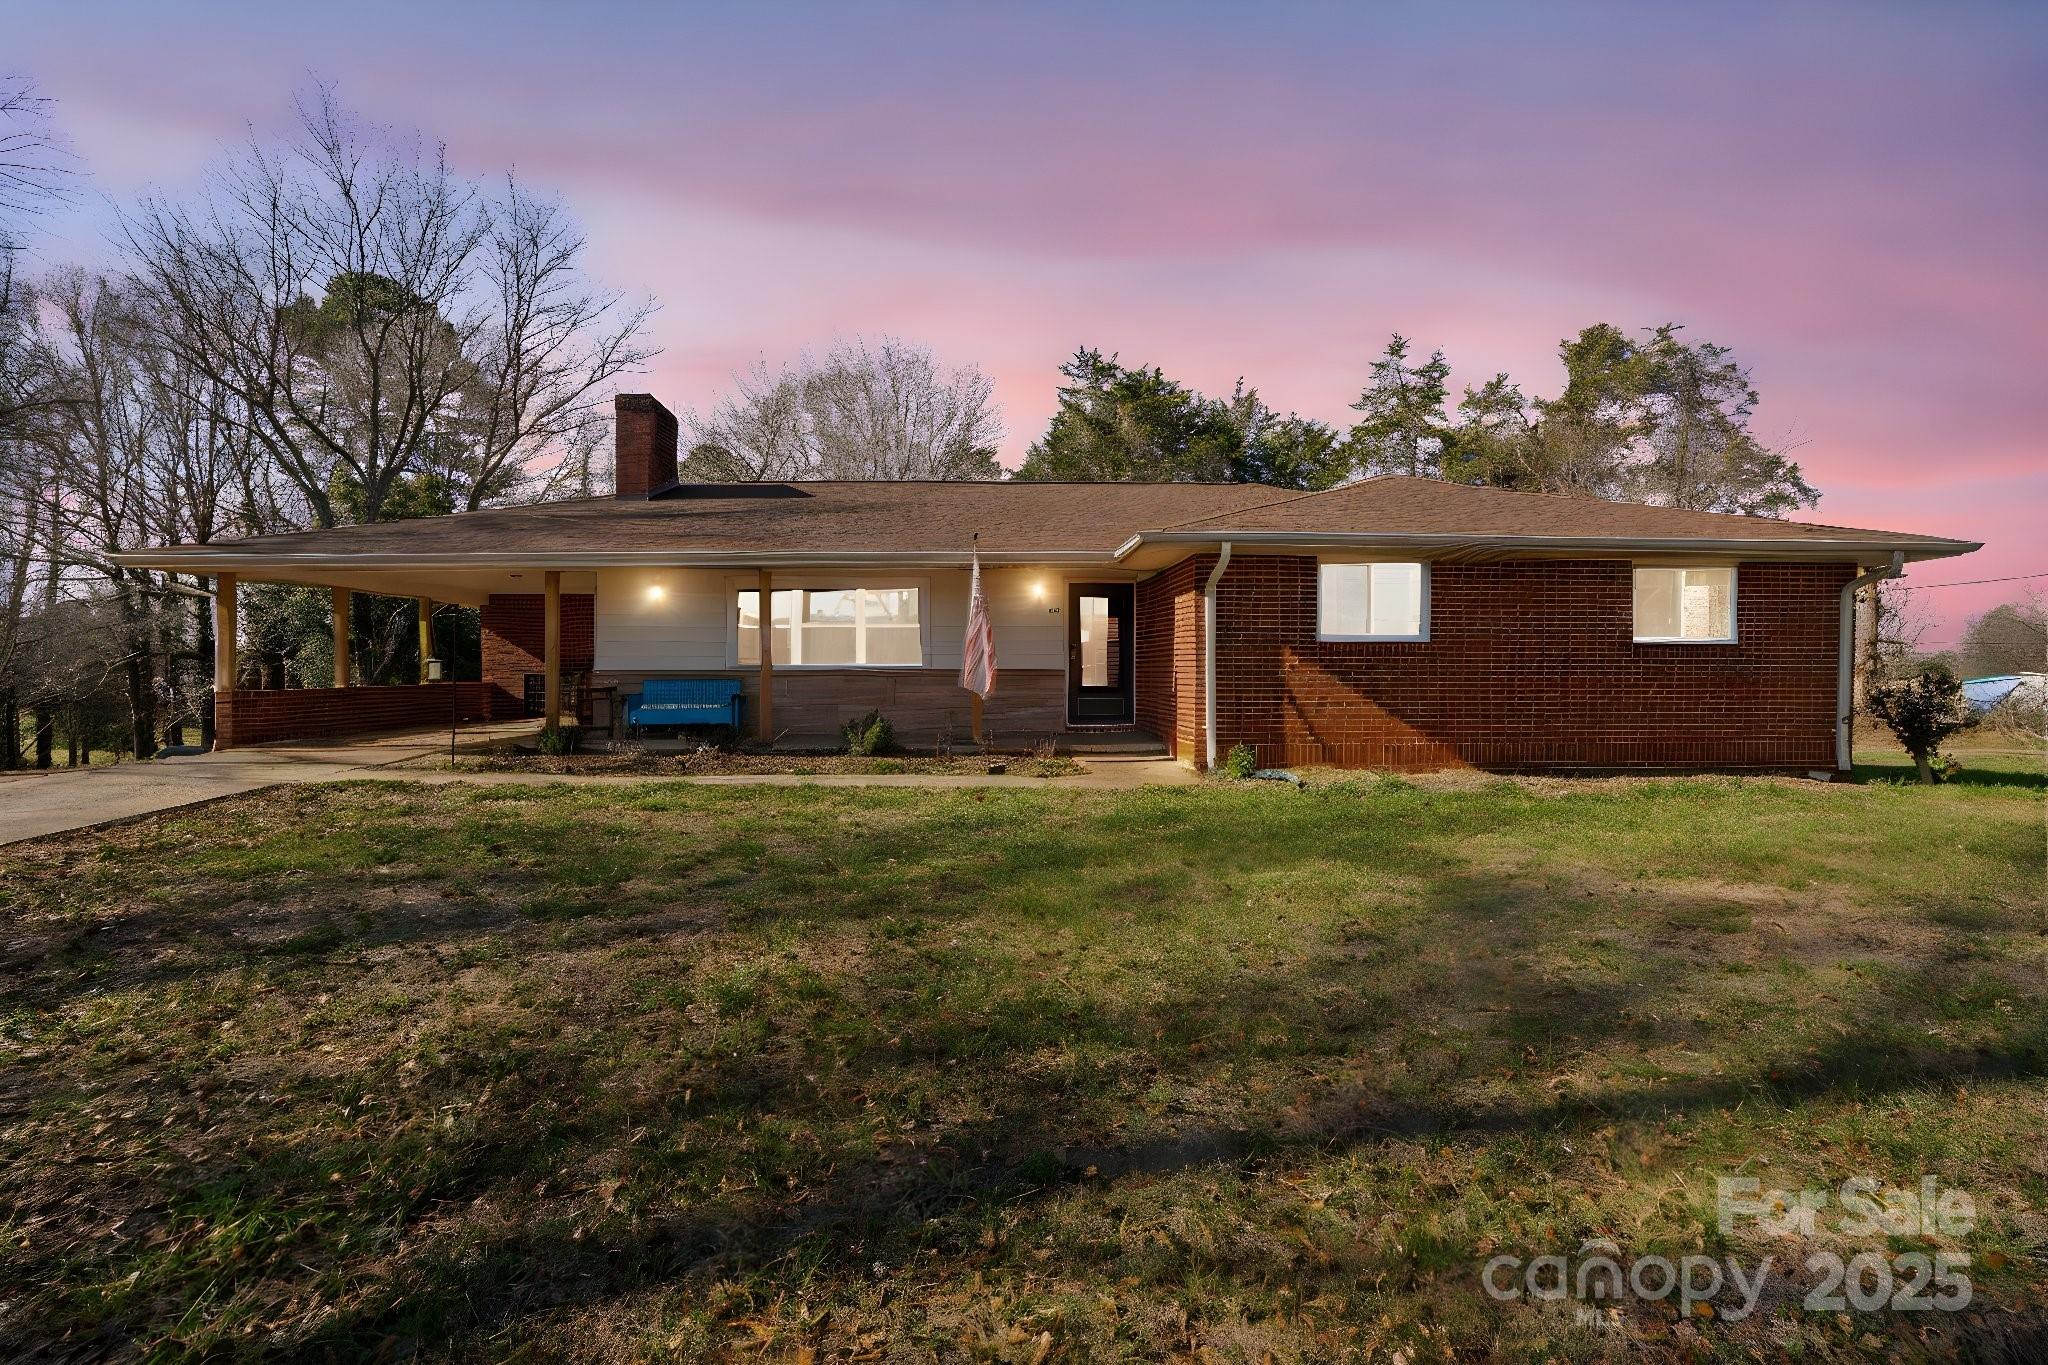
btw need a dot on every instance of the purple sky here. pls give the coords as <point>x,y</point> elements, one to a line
<point>1854,199</point>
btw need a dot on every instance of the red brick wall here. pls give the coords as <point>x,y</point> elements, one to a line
<point>1169,655</point>
<point>1029,704</point>
<point>243,718</point>
<point>1530,664</point>
<point>514,636</point>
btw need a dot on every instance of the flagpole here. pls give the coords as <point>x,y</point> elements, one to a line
<point>974,698</point>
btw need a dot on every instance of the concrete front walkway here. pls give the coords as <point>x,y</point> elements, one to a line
<point>38,803</point>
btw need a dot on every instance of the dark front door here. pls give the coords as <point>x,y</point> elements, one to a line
<point>1099,654</point>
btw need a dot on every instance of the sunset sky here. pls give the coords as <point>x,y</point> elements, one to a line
<point>1854,199</point>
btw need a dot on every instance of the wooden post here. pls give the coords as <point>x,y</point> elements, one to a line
<point>974,714</point>
<point>224,632</point>
<point>551,650</point>
<point>764,714</point>
<point>341,599</point>
<point>426,605</point>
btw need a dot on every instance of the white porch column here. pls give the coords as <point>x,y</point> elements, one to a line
<point>764,714</point>
<point>341,601</point>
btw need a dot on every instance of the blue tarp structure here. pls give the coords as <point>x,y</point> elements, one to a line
<point>1984,694</point>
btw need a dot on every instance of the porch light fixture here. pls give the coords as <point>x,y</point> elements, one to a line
<point>1038,589</point>
<point>655,592</point>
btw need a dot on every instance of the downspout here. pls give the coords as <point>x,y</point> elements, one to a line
<point>1209,653</point>
<point>1845,653</point>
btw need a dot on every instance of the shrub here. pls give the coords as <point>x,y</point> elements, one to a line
<point>558,740</point>
<point>1241,762</point>
<point>869,735</point>
<point>1921,712</point>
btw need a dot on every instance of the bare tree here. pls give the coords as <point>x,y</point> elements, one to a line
<point>373,316</point>
<point>2010,638</point>
<point>758,431</point>
<point>886,411</point>
<point>338,329</point>
<point>545,357</point>
<point>33,169</point>
<point>323,288</point>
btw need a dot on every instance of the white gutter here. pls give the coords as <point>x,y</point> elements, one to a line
<point>1845,654</point>
<point>1209,653</point>
<point>201,560</point>
<point>1804,547</point>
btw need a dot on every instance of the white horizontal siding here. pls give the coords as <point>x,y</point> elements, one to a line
<point>685,627</point>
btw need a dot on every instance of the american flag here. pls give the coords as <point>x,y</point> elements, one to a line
<point>978,659</point>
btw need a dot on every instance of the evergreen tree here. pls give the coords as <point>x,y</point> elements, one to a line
<point>1494,442</point>
<point>1587,431</point>
<point>1288,452</point>
<point>1700,453</point>
<point>1132,426</point>
<point>1402,430</point>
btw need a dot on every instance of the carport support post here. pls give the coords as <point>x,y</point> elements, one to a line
<point>224,632</point>
<point>551,650</point>
<point>223,663</point>
<point>764,616</point>
<point>341,601</point>
<point>426,605</point>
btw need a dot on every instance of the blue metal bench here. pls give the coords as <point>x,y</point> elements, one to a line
<point>684,701</point>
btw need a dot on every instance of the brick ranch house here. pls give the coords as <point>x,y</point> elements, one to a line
<point>1395,623</point>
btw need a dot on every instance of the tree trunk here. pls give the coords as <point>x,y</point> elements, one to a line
<point>10,730</point>
<point>141,706</point>
<point>46,733</point>
<point>1926,769</point>
<point>205,652</point>
<point>141,675</point>
<point>1864,650</point>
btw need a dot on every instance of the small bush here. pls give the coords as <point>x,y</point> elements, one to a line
<point>557,740</point>
<point>869,735</point>
<point>1241,762</point>
<point>1921,712</point>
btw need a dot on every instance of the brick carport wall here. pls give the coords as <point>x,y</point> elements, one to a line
<point>249,716</point>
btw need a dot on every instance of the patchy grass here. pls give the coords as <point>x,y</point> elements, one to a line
<point>672,1072</point>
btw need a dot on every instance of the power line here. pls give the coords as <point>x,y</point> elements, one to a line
<point>1973,582</point>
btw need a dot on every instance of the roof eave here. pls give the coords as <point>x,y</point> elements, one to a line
<point>1834,548</point>
<point>197,559</point>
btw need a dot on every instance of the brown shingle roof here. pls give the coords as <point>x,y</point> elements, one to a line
<point>1413,506</point>
<point>1013,520</point>
<point>819,518</point>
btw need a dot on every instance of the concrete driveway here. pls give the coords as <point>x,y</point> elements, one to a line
<point>36,803</point>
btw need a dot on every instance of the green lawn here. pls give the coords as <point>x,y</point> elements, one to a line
<point>1217,1073</point>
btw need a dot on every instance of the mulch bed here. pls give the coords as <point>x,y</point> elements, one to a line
<point>709,762</point>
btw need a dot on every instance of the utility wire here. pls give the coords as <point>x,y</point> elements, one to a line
<point>1973,582</point>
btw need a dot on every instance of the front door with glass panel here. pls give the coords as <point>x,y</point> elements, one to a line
<point>1099,654</point>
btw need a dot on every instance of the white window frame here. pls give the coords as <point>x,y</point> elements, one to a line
<point>1734,593</point>
<point>1420,637</point>
<point>853,581</point>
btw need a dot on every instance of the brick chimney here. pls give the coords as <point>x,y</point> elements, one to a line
<point>644,445</point>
